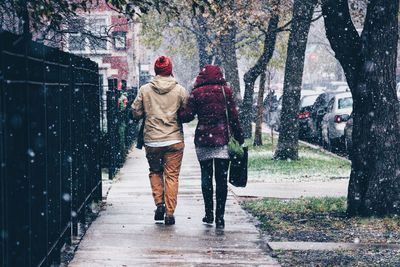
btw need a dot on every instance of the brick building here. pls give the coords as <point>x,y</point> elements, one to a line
<point>108,38</point>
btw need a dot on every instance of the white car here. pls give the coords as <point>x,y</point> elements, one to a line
<point>333,123</point>
<point>333,86</point>
<point>343,88</point>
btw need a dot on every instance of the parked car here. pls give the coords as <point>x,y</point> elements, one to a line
<point>305,122</point>
<point>335,85</point>
<point>348,132</point>
<point>276,114</point>
<point>343,88</point>
<point>318,112</point>
<point>333,123</point>
<point>307,86</point>
<point>312,88</point>
<point>306,101</point>
<point>308,92</point>
<point>319,89</point>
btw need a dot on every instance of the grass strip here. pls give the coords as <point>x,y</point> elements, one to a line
<point>312,162</point>
<point>320,220</point>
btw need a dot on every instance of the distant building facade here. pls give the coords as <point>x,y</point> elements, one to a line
<point>109,39</point>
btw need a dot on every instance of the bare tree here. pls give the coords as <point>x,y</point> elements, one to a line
<point>289,131</point>
<point>369,62</point>
<point>255,71</point>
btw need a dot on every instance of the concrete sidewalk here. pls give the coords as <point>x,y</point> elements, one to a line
<point>125,233</point>
<point>290,189</point>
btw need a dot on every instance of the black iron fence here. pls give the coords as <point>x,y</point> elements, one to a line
<point>49,149</point>
<point>119,131</point>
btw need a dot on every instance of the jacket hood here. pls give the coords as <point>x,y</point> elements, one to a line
<point>163,85</point>
<point>210,74</point>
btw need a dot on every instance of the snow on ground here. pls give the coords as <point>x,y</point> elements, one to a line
<point>313,165</point>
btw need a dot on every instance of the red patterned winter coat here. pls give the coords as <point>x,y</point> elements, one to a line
<point>207,102</point>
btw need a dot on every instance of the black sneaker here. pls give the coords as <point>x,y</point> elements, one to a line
<point>220,223</point>
<point>159,213</point>
<point>169,220</point>
<point>209,218</point>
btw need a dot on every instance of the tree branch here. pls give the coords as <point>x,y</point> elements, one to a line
<point>343,37</point>
<point>269,42</point>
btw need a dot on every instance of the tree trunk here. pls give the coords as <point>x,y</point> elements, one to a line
<point>289,127</point>
<point>250,77</point>
<point>202,41</point>
<point>229,60</point>
<point>204,57</point>
<point>369,63</point>
<point>260,111</point>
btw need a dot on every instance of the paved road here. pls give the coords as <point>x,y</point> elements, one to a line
<point>126,235</point>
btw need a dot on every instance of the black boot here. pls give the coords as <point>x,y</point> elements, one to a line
<point>220,223</point>
<point>209,218</point>
<point>159,213</point>
<point>169,220</point>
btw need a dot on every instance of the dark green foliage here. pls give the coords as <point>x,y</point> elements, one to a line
<point>51,16</point>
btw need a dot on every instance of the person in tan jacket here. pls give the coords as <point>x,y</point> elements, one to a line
<point>158,103</point>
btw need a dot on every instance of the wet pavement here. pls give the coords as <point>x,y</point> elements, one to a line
<point>125,233</point>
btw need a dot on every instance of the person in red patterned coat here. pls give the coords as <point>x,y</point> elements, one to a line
<point>211,138</point>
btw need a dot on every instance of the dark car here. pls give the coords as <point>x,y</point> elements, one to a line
<point>318,112</point>
<point>305,122</point>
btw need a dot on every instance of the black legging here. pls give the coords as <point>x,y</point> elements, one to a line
<point>221,173</point>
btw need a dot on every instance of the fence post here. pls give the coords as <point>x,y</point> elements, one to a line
<point>66,132</point>
<point>74,160</point>
<point>111,126</point>
<point>3,231</point>
<point>96,138</point>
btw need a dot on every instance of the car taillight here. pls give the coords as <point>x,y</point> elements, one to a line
<point>341,118</point>
<point>304,115</point>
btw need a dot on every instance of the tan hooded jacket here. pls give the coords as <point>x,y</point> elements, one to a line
<point>159,101</point>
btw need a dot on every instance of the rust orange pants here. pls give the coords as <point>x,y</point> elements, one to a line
<point>165,165</point>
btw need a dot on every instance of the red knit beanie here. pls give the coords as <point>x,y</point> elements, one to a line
<point>163,66</point>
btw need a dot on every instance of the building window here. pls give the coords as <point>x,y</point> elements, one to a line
<point>98,30</point>
<point>120,40</point>
<point>76,41</point>
<point>88,35</point>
